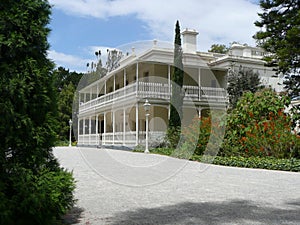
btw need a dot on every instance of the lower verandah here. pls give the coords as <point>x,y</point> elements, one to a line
<point>127,126</point>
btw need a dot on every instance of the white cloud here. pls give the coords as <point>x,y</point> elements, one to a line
<point>217,21</point>
<point>68,61</point>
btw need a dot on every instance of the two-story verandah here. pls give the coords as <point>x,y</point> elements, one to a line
<point>111,109</point>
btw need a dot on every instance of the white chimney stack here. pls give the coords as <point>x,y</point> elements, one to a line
<point>189,37</point>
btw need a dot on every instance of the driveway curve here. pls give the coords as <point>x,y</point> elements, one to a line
<point>120,187</point>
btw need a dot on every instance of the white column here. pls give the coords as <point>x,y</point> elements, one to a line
<point>137,123</point>
<point>90,129</point>
<point>79,97</point>
<point>83,130</point>
<point>124,77</point>
<point>78,130</point>
<point>114,82</point>
<point>169,78</point>
<point>97,132</point>
<point>114,125</point>
<point>104,128</point>
<point>199,111</point>
<point>91,93</point>
<point>84,97</point>
<point>124,126</point>
<point>105,87</point>
<point>137,77</point>
<point>199,82</point>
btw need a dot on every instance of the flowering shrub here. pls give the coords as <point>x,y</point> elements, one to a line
<point>204,135</point>
<point>259,127</point>
<point>271,137</point>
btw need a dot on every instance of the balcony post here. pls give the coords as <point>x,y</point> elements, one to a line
<point>83,130</point>
<point>137,77</point>
<point>199,84</point>
<point>137,124</point>
<point>78,129</point>
<point>79,98</point>
<point>169,79</point>
<point>97,128</point>
<point>124,77</point>
<point>113,124</point>
<point>124,126</point>
<point>114,82</point>
<point>104,128</point>
<point>90,129</point>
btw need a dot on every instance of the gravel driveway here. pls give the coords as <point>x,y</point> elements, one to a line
<point>119,187</point>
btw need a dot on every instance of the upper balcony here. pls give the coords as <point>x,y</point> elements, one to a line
<point>152,90</point>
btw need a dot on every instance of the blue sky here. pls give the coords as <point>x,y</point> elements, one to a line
<point>80,27</point>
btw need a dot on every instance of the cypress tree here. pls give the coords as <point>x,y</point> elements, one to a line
<point>177,94</point>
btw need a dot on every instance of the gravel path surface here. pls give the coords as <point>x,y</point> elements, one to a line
<point>125,188</point>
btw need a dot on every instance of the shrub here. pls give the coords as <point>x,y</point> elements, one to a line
<point>36,198</point>
<point>259,127</point>
<point>204,135</point>
<point>258,162</point>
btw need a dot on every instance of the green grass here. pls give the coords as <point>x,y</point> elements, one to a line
<point>64,143</point>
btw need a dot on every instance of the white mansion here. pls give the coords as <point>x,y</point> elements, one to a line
<point>111,109</point>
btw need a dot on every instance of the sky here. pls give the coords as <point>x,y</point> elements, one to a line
<point>81,27</point>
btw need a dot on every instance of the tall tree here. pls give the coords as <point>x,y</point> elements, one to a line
<point>28,112</point>
<point>241,81</point>
<point>177,94</point>
<point>65,103</point>
<point>177,78</point>
<point>63,77</point>
<point>218,48</point>
<point>28,102</point>
<point>280,35</point>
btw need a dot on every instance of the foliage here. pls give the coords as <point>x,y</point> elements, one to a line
<point>270,163</point>
<point>177,94</point>
<point>219,48</point>
<point>240,82</point>
<point>202,131</point>
<point>65,101</point>
<point>259,116</point>
<point>28,97</point>
<point>28,110</point>
<point>36,198</point>
<point>259,162</point>
<point>173,136</point>
<point>63,77</point>
<point>177,78</point>
<point>280,35</point>
<point>271,137</point>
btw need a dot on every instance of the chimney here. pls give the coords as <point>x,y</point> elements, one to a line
<point>189,37</point>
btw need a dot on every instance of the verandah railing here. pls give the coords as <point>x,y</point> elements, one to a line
<point>155,90</point>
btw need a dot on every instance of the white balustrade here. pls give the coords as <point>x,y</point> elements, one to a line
<point>154,90</point>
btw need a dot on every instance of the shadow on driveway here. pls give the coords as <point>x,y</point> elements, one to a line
<point>229,212</point>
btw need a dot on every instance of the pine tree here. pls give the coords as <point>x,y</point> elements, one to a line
<point>280,35</point>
